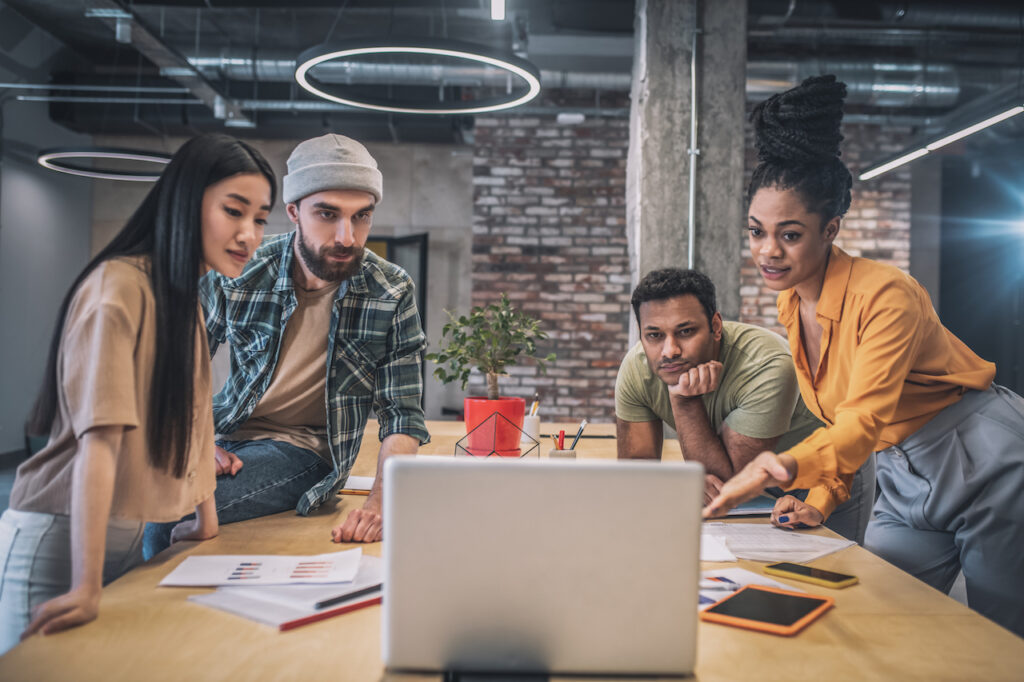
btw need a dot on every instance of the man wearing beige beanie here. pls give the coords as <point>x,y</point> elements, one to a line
<point>321,330</point>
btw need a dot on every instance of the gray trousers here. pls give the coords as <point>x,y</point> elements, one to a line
<point>952,498</point>
<point>35,555</point>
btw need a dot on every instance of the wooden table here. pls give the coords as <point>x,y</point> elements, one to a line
<point>888,627</point>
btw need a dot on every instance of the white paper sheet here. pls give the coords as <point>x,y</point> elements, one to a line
<point>359,483</point>
<point>239,569</point>
<point>761,542</point>
<point>713,548</point>
<point>737,577</point>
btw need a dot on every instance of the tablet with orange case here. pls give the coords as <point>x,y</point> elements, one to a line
<point>768,609</point>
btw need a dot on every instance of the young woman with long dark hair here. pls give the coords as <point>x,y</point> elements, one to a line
<point>876,365</point>
<point>126,396</point>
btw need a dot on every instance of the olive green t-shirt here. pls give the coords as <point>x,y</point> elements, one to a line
<point>757,393</point>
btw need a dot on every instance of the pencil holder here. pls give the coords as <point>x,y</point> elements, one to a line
<point>555,453</point>
<point>531,428</point>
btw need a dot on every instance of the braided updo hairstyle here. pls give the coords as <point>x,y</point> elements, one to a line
<point>796,134</point>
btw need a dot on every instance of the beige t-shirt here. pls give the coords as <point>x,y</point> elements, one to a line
<point>104,378</point>
<point>757,394</point>
<point>294,407</point>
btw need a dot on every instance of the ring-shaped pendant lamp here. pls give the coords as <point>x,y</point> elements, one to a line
<point>477,54</point>
<point>55,159</point>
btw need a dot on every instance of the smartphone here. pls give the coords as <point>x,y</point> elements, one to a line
<point>768,609</point>
<point>807,574</point>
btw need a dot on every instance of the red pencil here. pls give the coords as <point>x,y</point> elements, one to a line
<point>561,439</point>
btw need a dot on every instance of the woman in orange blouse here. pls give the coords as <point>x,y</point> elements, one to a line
<point>876,365</point>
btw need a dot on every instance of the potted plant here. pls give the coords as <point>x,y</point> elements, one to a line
<point>490,338</point>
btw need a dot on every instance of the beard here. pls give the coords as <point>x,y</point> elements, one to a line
<point>317,261</point>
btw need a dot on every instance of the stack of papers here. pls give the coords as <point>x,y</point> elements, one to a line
<point>283,591</point>
<point>759,542</point>
<point>289,606</point>
<point>713,548</point>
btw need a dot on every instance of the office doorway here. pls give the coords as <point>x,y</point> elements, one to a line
<point>410,254</point>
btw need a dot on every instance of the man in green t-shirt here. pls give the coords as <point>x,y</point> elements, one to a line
<point>728,389</point>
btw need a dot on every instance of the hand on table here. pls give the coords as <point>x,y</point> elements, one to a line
<point>192,529</point>
<point>712,487</point>
<point>697,380</point>
<point>790,512</point>
<point>764,471</point>
<point>227,462</point>
<point>361,525</point>
<point>77,607</point>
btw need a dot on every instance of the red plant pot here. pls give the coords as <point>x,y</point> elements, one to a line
<point>498,435</point>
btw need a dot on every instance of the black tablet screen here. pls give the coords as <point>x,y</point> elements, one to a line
<point>766,607</point>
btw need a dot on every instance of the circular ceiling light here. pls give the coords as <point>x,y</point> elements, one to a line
<point>475,54</point>
<point>55,159</point>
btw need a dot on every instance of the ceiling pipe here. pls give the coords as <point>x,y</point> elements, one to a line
<point>887,13</point>
<point>876,83</point>
<point>971,15</point>
<point>239,64</point>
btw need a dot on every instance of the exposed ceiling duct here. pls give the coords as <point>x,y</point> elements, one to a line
<point>970,14</point>
<point>871,82</point>
<point>904,63</point>
<point>876,83</point>
<point>241,64</point>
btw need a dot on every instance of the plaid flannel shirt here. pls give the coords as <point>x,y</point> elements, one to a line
<point>376,342</point>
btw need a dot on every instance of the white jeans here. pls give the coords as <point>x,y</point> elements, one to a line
<point>35,558</point>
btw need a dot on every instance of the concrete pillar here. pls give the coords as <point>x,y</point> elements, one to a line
<point>659,165</point>
<point>926,224</point>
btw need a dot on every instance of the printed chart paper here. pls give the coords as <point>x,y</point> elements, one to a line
<point>229,569</point>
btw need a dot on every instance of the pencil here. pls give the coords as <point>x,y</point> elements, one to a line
<point>583,425</point>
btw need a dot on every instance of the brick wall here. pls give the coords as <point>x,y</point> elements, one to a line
<point>549,229</point>
<point>877,225</point>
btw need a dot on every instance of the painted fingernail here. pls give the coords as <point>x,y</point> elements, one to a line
<point>784,519</point>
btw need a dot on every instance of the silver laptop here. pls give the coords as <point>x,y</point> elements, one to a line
<point>541,566</point>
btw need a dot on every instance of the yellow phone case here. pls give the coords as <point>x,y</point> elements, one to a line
<point>782,573</point>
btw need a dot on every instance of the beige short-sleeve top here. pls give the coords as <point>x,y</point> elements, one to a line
<point>104,378</point>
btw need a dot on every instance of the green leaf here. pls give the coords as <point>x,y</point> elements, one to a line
<point>491,338</point>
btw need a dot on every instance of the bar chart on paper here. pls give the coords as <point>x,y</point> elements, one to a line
<point>208,571</point>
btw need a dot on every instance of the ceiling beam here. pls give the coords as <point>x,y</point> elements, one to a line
<point>172,64</point>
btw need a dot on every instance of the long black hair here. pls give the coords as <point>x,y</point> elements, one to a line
<point>167,227</point>
<point>796,134</point>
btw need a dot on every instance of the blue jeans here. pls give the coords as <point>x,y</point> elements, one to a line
<point>274,475</point>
